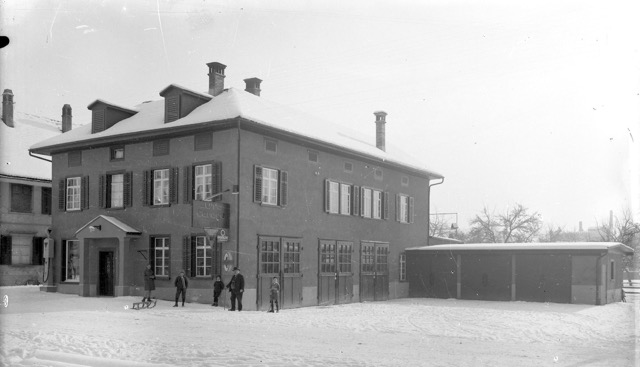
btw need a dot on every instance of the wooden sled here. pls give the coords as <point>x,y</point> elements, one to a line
<point>147,304</point>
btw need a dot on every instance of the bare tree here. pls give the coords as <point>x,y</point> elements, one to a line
<point>437,226</point>
<point>621,229</point>
<point>516,225</point>
<point>553,234</point>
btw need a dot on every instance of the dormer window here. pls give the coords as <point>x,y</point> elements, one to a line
<point>179,102</point>
<point>105,114</point>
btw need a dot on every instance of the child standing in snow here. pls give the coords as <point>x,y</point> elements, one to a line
<point>181,283</point>
<point>217,289</point>
<point>275,293</point>
<point>149,283</point>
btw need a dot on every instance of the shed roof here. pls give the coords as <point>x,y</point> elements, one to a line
<point>551,246</point>
<point>234,103</point>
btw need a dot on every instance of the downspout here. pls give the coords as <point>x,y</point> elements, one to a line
<point>429,208</point>
<point>598,276</point>
<point>35,156</point>
<point>238,201</point>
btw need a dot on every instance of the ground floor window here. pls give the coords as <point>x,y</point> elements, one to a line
<point>21,249</point>
<point>203,257</point>
<point>160,257</point>
<point>71,260</point>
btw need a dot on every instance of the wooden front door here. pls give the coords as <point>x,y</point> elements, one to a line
<point>279,257</point>
<point>335,276</point>
<point>105,273</point>
<point>374,271</point>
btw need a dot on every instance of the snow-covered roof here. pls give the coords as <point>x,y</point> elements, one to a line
<point>230,104</point>
<point>15,160</point>
<point>174,85</point>
<point>538,246</point>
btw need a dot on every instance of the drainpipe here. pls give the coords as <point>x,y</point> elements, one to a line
<point>429,216</point>
<point>598,277</point>
<point>238,201</point>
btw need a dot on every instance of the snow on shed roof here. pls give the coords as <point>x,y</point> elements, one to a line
<point>538,246</point>
<point>15,160</point>
<point>233,103</point>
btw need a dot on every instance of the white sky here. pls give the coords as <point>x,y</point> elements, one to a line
<point>530,102</point>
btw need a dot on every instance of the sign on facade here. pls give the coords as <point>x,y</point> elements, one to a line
<point>208,214</point>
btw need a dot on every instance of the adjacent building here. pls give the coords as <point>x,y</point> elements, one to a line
<point>25,192</point>
<point>207,181</point>
<point>572,272</point>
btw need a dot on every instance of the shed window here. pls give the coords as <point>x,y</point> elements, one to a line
<point>21,198</point>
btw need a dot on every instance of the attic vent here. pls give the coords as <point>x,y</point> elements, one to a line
<point>74,158</point>
<point>270,145</point>
<point>173,108</point>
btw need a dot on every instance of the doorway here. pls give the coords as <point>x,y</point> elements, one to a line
<point>105,273</point>
<point>374,271</point>
<point>279,257</point>
<point>335,276</point>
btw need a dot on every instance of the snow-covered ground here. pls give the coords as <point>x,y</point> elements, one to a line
<point>50,329</point>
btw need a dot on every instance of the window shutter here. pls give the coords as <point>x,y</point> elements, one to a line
<point>85,192</point>
<point>36,251</point>
<point>216,179</point>
<point>283,188</point>
<point>98,121</point>
<point>45,201</point>
<point>128,193</point>
<point>146,188</point>
<point>356,200</point>
<point>362,202</point>
<point>192,263</point>
<point>327,196</point>
<point>411,209</point>
<point>63,260</point>
<point>5,250</point>
<point>397,207</point>
<point>188,189</point>
<point>62,195</point>
<point>257,184</point>
<point>173,185</point>
<point>385,205</point>
<point>102,191</point>
<point>152,254</point>
<point>173,108</point>
<point>186,257</point>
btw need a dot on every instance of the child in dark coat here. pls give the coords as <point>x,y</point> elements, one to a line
<point>275,293</point>
<point>218,285</point>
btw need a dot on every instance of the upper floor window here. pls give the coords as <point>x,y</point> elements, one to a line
<point>115,190</point>
<point>375,203</point>
<point>376,211</point>
<point>404,208</point>
<point>116,153</point>
<point>46,201</point>
<point>340,198</point>
<point>203,181</point>
<point>270,186</point>
<point>202,178</point>
<point>21,198</point>
<point>73,193</point>
<point>161,186</point>
<point>366,201</point>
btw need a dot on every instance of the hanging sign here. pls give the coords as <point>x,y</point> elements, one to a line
<point>222,236</point>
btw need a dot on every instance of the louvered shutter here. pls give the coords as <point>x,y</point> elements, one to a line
<point>257,184</point>
<point>172,108</point>
<point>62,195</point>
<point>192,264</point>
<point>102,191</point>
<point>327,196</point>
<point>97,125</point>
<point>356,200</point>
<point>398,207</point>
<point>152,254</point>
<point>186,256</point>
<point>146,188</point>
<point>411,210</point>
<point>188,189</point>
<point>385,205</point>
<point>128,193</point>
<point>216,180</point>
<point>173,185</point>
<point>282,197</point>
<point>85,192</point>
<point>63,260</point>
<point>362,201</point>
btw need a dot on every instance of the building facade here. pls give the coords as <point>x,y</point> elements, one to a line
<point>203,182</point>
<point>25,193</point>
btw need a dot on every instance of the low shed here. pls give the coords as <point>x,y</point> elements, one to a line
<point>576,272</point>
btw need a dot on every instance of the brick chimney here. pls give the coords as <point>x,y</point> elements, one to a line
<point>253,86</point>
<point>216,78</point>
<point>380,134</point>
<point>7,107</point>
<point>66,118</point>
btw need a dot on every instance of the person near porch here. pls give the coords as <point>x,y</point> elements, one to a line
<point>275,293</point>
<point>236,287</point>
<point>218,286</point>
<point>149,283</point>
<point>181,283</point>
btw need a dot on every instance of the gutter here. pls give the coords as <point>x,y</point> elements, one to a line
<point>35,156</point>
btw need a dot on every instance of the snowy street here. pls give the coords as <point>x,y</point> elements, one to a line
<point>51,329</point>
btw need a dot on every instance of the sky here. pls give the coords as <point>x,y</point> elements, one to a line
<point>529,102</point>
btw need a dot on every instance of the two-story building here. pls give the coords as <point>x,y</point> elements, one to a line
<point>207,181</point>
<point>25,192</point>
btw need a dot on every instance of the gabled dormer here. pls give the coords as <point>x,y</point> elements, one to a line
<point>105,114</point>
<point>180,101</point>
